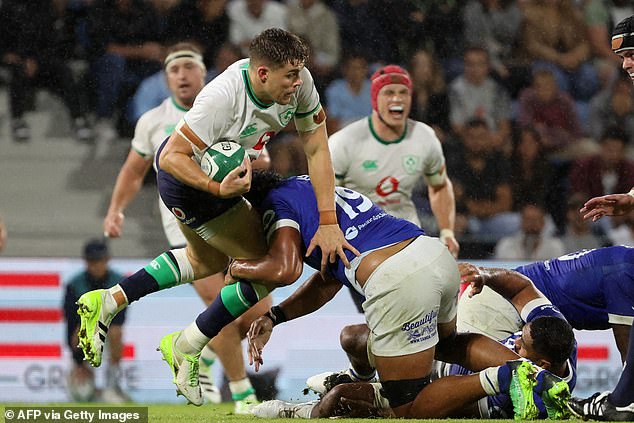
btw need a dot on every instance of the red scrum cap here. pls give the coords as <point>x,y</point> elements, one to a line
<point>390,74</point>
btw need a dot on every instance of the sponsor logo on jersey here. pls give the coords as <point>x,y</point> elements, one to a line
<point>422,329</point>
<point>249,130</point>
<point>387,186</point>
<point>286,116</point>
<point>369,165</point>
<point>351,233</point>
<point>411,164</point>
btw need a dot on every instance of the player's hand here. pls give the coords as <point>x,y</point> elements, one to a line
<point>607,205</point>
<point>113,224</point>
<point>238,181</point>
<point>258,335</point>
<point>331,242</point>
<point>472,275</point>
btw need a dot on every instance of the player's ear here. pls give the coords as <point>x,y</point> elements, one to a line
<point>263,73</point>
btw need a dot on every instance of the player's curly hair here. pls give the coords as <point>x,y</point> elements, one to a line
<point>553,338</point>
<point>276,47</point>
<point>262,181</point>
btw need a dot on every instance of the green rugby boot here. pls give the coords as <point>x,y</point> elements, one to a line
<point>96,310</point>
<point>184,367</point>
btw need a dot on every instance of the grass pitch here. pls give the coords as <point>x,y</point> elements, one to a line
<point>223,413</point>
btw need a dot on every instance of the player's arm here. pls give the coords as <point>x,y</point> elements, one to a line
<point>443,205</point>
<point>176,159</point>
<point>328,237</point>
<point>513,286</point>
<point>312,295</point>
<point>281,265</point>
<point>128,184</point>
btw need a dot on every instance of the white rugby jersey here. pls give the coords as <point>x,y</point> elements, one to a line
<point>227,108</point>
<point>386,171</point>
<point>153,127</point>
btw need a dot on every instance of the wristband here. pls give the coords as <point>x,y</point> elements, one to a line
<point>327,217</point>
<point>276,315</point>
<point>631,193</point>
<point>446,233</point>
<point>213,188</point>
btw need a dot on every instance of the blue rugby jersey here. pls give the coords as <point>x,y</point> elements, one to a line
<point>365,225</point>
<point>591,288</point>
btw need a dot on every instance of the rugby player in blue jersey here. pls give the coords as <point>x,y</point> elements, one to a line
<point>546,339</point>
<point>397,263</point>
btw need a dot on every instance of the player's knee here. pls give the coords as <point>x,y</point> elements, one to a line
<point>401,392</point>
<point>353,339</point>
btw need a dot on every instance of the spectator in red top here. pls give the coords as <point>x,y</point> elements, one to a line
<point>607,172</point>
<point>551,111</point>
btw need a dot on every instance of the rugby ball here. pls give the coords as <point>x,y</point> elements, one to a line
<point>221,158</point>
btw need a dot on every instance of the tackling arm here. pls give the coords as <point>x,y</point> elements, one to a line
<point>513,286</point>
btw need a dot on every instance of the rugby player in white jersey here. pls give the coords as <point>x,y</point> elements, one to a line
<point>249,103</point>
<point>384,155</point>
<point>185,73</point>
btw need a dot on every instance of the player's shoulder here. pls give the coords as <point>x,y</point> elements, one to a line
<point>224,89</point>
<point>420,129</point>
<point>351,132</point>
<point>157,112</point>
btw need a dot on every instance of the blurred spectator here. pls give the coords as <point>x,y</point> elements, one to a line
<point>125,50</point>
<point>250,17</point>
<point>482,185</point>
<point>362,30</point>
<point>430,103</point>
<point>531,242</point>
<point>555,37</point>
<point>163,9</point>
<point>623,231</point>
<point>578,234</point>
<point>530,171</point>
<point>153,90</point>
<point>620,9</point>
<point>474,94</point>
<point>494,25</point>
<point>316,22</point>
<point>607,172</point>
<point>596,15</point>
<point>37,41</point>
<point>551,111</point>
<point>96,275</point>
<point>348,98</point>
<point>613,107</point>
<point>3,234</point>
<point>204,23</point>
<point>423,25</point>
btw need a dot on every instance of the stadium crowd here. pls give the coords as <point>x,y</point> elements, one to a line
<point>525,95</point>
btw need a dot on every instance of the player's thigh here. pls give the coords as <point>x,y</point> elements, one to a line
<point>237,232</point>
<point>204,258</point>
<point>488,313</point>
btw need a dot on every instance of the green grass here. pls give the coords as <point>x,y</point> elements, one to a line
<point>222,413</point>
